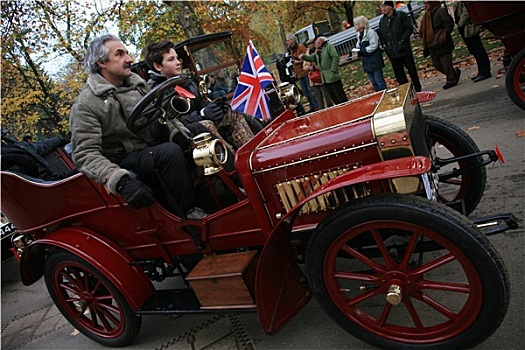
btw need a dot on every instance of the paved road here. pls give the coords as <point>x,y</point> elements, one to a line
<point>31,321</point>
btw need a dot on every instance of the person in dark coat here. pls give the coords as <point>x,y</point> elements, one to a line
<point>370,53</point>
<point>473,41</point>
<point>436,18</point>
<point>395,29</point>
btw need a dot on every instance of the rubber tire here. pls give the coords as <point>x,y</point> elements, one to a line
<point>55,267</point>
<point>451,227</point>
<point>515,75</point>
<point>459,143</point>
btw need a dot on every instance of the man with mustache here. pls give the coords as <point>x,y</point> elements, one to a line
<point>107,151</point>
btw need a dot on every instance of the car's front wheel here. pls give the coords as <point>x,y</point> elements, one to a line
<point>404,272</point>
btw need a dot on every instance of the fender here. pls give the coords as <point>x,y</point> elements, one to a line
<point>103,254</point>
<point>278,288</point>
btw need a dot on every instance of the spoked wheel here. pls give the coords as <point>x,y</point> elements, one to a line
<point>515,79</point>
<point>89,301</point>
<point>450,141</point>
<point>403,272</point>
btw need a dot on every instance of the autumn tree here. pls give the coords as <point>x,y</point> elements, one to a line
<point>39,37</point>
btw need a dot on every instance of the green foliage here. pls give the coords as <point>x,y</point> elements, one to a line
<point>36,35</point>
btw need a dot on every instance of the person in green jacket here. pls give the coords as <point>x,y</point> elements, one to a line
<point>327,59</point>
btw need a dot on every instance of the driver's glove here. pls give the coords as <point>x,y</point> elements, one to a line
<point>212,112</point>
<point>223,103</point>
<point>192,117</point>
<point>134,192</point>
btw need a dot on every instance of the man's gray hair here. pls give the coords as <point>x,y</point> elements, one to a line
<point>290,36</point>
<point>97,52</point>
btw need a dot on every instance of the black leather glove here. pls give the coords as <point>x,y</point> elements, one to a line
<point>134,192</point>
<point>212,112</point>
<point>192,117</point>
<point>223,103</point>
<point>182,141</point>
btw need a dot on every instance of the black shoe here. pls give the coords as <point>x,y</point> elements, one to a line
<point>458,75</point>
<point>449,85</point>
<point>480,77</point>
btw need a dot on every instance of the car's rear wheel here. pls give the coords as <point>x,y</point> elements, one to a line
<point>450,141</point>
<point>515,79</point>
<point>403,272</point>
<point>89,301</point>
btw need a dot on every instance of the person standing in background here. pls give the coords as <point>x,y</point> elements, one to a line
<point>470,34</point>
<point>296,50</point>
<point>327,59</point>
<point>438,23</point>
<point>317,85</point>
<point>395,29</point>
<point>370,53</point>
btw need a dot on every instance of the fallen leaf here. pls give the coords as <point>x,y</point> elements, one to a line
<point>475,127</point>
<point>520,133</point>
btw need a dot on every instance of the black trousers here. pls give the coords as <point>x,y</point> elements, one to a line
<point>335,91</point>
<point>168,161</point>
<point>476,48</point>
<point>399,64</point>
<point>445,65</point>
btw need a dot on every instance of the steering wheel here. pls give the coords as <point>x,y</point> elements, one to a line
<point>154,105</point>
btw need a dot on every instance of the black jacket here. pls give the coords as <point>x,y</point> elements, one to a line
<point>395,32</point>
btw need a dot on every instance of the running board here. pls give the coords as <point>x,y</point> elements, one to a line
<point>493,224</point>
<point>182,301</point>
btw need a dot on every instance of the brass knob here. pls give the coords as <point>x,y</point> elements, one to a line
<point>394,294</point>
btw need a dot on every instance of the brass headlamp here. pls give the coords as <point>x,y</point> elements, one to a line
<point>210,154</point>
<point>289,95</point>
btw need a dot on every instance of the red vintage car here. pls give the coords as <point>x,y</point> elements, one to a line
<point>356,205</point>
<point>505,19</point>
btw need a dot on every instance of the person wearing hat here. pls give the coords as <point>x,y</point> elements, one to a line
<point>395,29</point>
<point>296,49</point>
<point>327,59</point>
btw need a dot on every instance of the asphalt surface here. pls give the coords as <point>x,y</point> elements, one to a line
<point>29,319</point>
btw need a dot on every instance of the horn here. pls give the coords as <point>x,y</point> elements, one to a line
<point>179,105</point>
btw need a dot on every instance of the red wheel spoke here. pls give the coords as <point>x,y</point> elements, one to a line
<point>409,251</point>
<point>446,286</point>
<point>109,307</point>
<point>442,309</point>
<point>356,276</point>
<point>389,262</point>
<point>365,260</point>
<point>107,319</point>
<point>64,275</point>
<point>384,314</point>
<point>443,260</point>
<point>93,314</point>
<point>414,315</point>
<point>95,288</point>
<point>362,297</point>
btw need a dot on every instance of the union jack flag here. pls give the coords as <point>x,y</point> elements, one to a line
<point>250,97</point>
